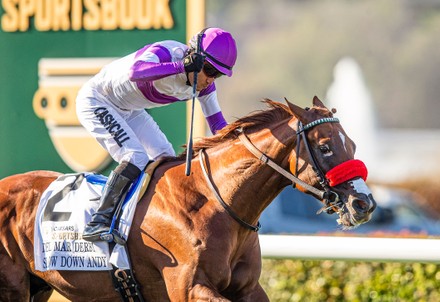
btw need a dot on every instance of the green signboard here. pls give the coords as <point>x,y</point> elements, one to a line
<point>47,50</point>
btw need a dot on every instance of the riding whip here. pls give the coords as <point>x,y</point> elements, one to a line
<point>190,138</point>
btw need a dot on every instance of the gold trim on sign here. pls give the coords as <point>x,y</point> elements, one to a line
<point>71,66</point>
<point>59,80</point>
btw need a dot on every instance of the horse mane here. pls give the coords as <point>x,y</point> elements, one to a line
<point>255,121</point>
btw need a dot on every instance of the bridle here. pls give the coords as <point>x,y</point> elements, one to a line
<point>331,198</point>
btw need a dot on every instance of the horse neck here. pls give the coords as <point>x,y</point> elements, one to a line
<point>245,183</point>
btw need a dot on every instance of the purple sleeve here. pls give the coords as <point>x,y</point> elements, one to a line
<point>216,122</point>
<point>150,71</point>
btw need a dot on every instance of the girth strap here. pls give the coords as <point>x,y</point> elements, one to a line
<point>125,283</point>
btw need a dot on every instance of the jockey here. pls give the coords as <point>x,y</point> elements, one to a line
<point>111,106</point>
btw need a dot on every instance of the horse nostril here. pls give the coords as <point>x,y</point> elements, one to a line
<point>360,205</point>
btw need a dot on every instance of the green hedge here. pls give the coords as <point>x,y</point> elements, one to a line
<point>296,280</point>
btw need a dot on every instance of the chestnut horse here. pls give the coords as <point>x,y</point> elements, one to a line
<point>193,238</point>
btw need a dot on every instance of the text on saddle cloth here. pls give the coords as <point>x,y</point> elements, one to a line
<point>64,209</point>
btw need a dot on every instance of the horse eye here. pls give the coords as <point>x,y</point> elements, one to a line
<point>324,149</point>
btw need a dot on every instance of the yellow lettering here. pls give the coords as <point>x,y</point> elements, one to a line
<point>76,13</point>
<point>61,15</point>
<point>86,14</point>
<point>163,17</point>
<point>109,15</point>
<point>144,13</point>
<point>26,11</point>
<point>43,14</point>
<point>10,18</point>
<point>127,13</point>
<point>91,17</point>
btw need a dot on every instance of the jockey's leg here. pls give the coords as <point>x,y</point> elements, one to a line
<point>117,185</point>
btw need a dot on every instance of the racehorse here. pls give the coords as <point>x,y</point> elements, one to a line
<point>194,238</point>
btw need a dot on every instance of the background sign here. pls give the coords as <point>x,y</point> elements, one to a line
<point>48,49</point>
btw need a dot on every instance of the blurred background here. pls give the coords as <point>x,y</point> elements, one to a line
<point>290,48</point>
<point>376,62</point>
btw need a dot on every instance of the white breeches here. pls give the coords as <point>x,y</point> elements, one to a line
<point>131,136</point>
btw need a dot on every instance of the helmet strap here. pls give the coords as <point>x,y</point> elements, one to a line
<point>187,80</point>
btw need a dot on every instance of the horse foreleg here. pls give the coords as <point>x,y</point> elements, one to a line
<point>42,296</point>
<point>14,279</point>
<point>256,295</point>
<point>40,290</point>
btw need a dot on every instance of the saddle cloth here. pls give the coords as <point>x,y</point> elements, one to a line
<point>64,209</point>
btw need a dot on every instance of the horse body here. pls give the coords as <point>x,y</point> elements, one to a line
<point>176,258</point>
<point>184,245</point>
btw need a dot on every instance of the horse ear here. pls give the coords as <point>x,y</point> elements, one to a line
<point>297,111</point>
<point>317,102</point>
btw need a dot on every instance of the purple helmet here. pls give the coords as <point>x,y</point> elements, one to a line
<point>219,48</point>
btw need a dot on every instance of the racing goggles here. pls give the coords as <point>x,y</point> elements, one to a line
<point>210,71</point>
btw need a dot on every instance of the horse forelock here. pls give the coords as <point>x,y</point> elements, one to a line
<point>255,121</point>
<point>322,112</point>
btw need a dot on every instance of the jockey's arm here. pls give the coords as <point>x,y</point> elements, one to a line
<point>211,109</point>
<point>155,63</point>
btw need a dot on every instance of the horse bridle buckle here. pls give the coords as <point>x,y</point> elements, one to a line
<point>332,201</point>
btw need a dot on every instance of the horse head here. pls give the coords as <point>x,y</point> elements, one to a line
<point>324,158</point>
<point>309,142</point>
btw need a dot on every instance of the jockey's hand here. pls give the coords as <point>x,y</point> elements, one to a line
<point>193,62</point>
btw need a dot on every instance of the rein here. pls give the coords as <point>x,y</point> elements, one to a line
<point>266,160</point>
<point>228,209</point>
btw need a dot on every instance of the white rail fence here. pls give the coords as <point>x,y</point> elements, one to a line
<point>350,248</point>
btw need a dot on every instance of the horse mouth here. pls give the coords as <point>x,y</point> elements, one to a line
<point>346,222</point>
<point>356,211</point>
<point>349,221</point>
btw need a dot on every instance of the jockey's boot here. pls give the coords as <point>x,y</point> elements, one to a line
<point>117,185</point>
